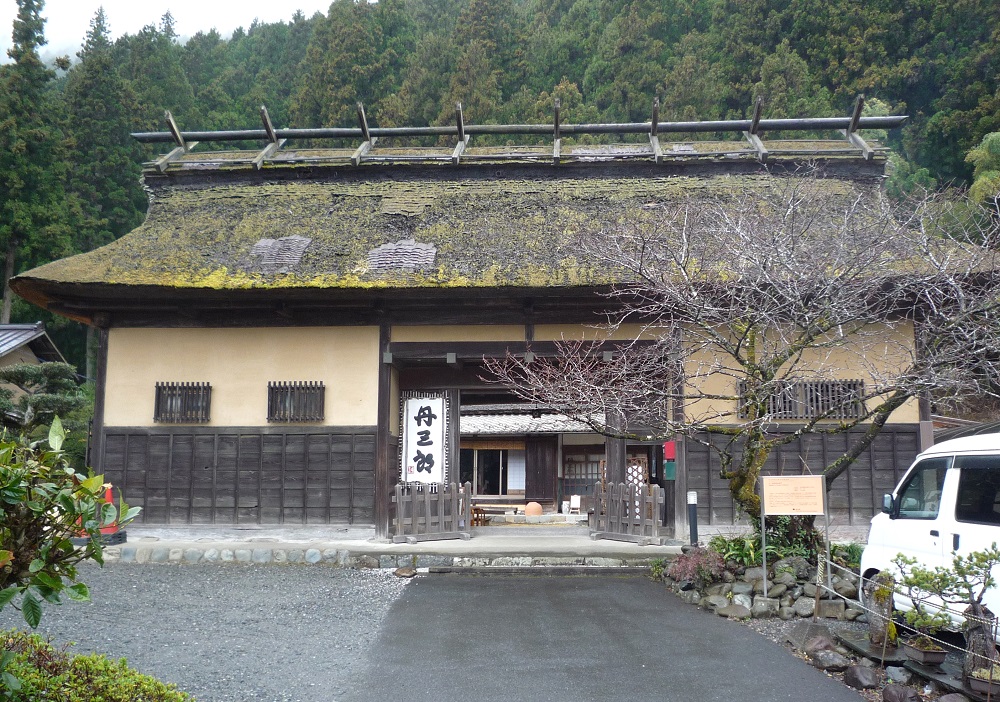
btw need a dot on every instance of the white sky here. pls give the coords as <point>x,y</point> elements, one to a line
<point>69,20</point>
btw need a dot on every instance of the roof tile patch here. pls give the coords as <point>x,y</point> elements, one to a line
<point>280,255</point>
<point>405,255</point>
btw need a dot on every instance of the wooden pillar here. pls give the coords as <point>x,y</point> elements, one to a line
<point>615,451</point>
<point>100,389</point>
<point>384,446</point>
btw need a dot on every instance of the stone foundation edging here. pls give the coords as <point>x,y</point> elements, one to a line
<point>345,558</point>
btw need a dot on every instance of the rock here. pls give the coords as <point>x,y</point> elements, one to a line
<point>868,663</point>
<point>809,589</point>
<point>899,693</point>
<point>728,577</point>
<point>764,607</point>
<point>777,591</point>
<point>953,697</point>
<point>787,600</point>
<point>861,678</point>
<point>804,606</point>
<point>734,611</point>
<point>796,592</point>
<point>801,632</point>
<point>786,613</point>
<point>846,589</point>
<point>758,587</point>
<point>406,572</point>
<point>787,579</point>
<point>822,642</point>
<point>752,575</point>
<point>851,614</point>
<point>715,602</point>
<point>743,601</point>
<point>714,589</point>
<point>797,566</point>
<point>742,588</point>
<point>831,609</point>
<point>690,596</point>
<point>898,674</point>
<point>830,661</point>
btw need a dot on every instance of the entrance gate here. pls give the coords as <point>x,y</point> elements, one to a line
<point>432,511</point>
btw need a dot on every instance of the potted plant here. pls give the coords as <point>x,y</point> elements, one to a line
<point>923,618</point>
<point>986,680</point>
<point>966,584</point>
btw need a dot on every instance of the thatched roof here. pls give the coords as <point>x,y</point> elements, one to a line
<point>390,228</point>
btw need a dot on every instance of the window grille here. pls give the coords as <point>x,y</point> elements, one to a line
<point>183,403</point>
<point>833,399</point>
<point>298,401</point>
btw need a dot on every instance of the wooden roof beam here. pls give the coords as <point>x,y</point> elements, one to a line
<point>463,138</point>
<point>557,139</point>
<point>272,135</point>
<point>851,132</point>
<point>751,133</point>
<point>654,130</point>
<point>369,140</point>
<point>161,164</point>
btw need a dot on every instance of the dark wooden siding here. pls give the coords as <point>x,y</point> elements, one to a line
<point>856,495</point>
<point>540,459</point>
<point>253,475</point>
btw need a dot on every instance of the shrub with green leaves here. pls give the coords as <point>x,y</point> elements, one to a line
<point>44,503</point>
<point>39,671</point>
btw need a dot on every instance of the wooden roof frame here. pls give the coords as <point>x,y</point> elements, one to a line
<point>751,129</point>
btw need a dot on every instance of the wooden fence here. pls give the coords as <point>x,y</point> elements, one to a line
<point>428,512</point>
<point>626,512</point>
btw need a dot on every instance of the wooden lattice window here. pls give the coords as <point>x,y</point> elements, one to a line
<point>296,401</point>
<point>832,399</point>
<point>183,403</point>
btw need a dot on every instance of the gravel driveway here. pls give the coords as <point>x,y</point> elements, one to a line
<point>230,633</point>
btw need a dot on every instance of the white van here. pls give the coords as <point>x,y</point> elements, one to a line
<point>947,502</point>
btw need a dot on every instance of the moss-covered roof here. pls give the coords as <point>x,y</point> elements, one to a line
<point>385,229</point>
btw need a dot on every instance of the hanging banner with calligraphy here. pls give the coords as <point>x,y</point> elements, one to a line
<point>424,423</point>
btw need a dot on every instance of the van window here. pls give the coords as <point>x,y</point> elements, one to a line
<point>920,496</point>
<point>978,489</point>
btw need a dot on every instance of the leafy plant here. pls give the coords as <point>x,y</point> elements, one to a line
<point>847,555</point>
<point>657,567</point>
<point>44,503</point>
<point>991,673</point>
<point>923,617</point>
<point>37,671</point>
<point>965,583</point>
<point>699,566</point>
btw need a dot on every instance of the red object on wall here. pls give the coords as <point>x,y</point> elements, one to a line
<point>669,450</point>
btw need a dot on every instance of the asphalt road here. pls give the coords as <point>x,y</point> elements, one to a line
<point>536,639</point>
<point>229,633</point>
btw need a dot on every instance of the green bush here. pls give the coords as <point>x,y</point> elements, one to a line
<point>46,673</point>
<point>847,555</point>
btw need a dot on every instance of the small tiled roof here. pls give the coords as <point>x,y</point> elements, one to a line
<point>14,336</point>
<point>518,424</point>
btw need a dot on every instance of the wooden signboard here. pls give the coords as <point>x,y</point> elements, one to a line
<point>793,494</point>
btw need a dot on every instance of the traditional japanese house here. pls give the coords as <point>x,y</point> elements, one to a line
<point>262,331</point>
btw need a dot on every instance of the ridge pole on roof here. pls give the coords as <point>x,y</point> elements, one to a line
<point>654,129</point>
<point>276,143</point>
<point>463,138</point>
<point>751,134</point>
<point>182,147</point>
<point>557,140</point>
<point>369,141</point>
<point>852,134</point>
